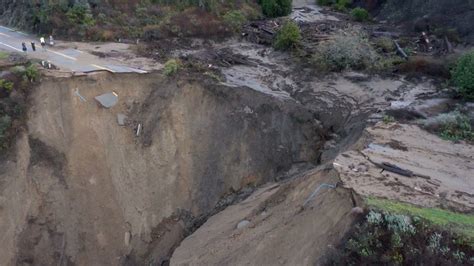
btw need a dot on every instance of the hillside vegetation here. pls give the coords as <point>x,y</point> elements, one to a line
<point>113,20</point>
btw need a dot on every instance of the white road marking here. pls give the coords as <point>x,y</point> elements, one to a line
<point>9,46</point>
<point>61,54</point>
<point>103,68</point>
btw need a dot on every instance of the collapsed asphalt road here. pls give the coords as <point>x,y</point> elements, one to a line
<point>68,59</point>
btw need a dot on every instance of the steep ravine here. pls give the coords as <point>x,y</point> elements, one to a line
<point>83,190</point>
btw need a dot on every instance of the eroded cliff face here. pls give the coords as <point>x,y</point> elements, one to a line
<point>84,190</point>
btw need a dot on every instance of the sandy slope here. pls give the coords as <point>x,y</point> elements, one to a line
<point>447,168</point>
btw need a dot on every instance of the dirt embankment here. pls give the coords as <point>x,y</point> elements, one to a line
<point>441,170</point>
<point>280,224</point>
<point>83,190</point>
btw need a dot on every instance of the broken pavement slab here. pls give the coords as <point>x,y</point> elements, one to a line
<point>443,170</point>
<point>107,100</point>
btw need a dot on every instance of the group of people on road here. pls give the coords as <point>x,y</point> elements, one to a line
<point>33,45</point>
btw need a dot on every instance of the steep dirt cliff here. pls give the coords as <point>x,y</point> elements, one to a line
<point>84,190</point>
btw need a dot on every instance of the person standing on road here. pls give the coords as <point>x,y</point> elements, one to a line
<point>33,46</point>
<point>43,43</point>
<point>23,46</point>
<point>51,40</point>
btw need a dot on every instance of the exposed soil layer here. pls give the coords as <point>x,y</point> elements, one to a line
<point>442,169</point>
<point>86,188</point>
<point>92,192</point>
<point>280,224</point>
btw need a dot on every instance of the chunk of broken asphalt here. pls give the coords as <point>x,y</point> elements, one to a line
<point>107,100</point>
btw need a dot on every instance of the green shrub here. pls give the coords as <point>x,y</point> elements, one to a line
<point>342,5</point>
<point>288,36</point>
<point>463,75</point>
<point>339,5</point>
<point>344,51</point>
<point>459,129</point>
<point>389,63</point>
<point>276,8</point>
<point>31,73</point>
<point>235,19</point>
<point>6,85</point>
<point>171,67</point>
<point>80,14</point>
<point>386,238</point>
<point>3,55</point>
<point>385,44</point>
<point>18,70</point>
<point>452,126</point>
<point>325,2</point>
<point>387,119</point>
<point>360,14</point>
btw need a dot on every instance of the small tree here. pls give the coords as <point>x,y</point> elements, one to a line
<point>276,8</point>
<point>235,19</point>
<point>171,67</point>
<point>463,75</point>
<point>6,85</point>
<point>288,36</point>
<point>360,14</point>
<point>31,73</point>
<point>80,14</point>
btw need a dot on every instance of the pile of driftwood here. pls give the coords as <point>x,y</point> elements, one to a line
<point>261,32</point>
<point>315,32</point>
<point>421,43</point>
<point>226,57</point>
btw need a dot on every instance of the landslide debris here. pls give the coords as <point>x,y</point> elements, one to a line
<point>272,227</point>
<point>441,168</point>
<point>84,189</point>
<point>92,192</point>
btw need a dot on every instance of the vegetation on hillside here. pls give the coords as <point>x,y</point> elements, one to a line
<point>394,233</point>
<point>339,5</point>
<point>463,75</point>
<point>288,36</point>
<point>18,79</point>
<point>462,224</point>
<point>457,129</point>
<point>276,8</point>
<point>453,126</point>
<point>346,50</point>
<point>114,20</point>
<point>360,14</point>
<point>171,67</point>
